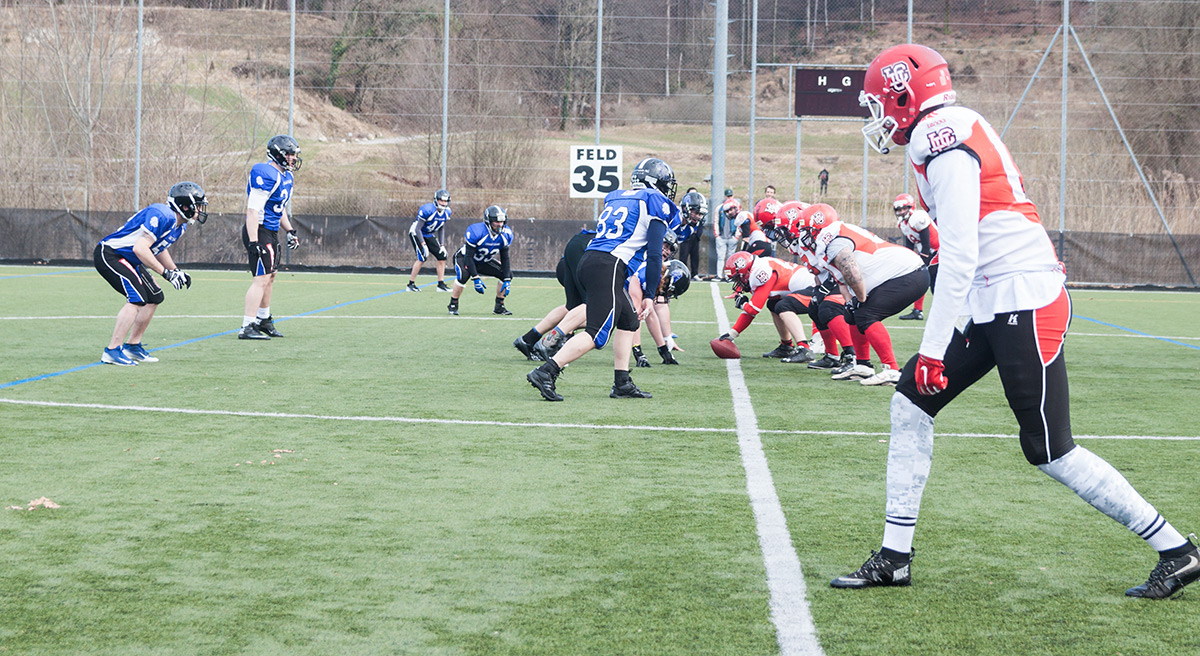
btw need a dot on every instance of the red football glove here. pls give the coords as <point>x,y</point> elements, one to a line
<point>929,372</point>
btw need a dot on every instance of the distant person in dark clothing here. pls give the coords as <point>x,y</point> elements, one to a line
<point>823,176</point>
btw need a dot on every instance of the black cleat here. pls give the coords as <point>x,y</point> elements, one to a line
<point>453,308</point>
<point>781,351</point>
<point>251,331</point>
<point>877,571</point>
<point>800,355</point>
<point>500,309</point>
<point>526,350</point>
<point>915,315</point>
<point>441,286</point>
<point>827,362</point>
<point>1169,575</point>
<point>544,382</point>
<point>412,287</point>
<point>267,327</point>
<point>628,391</point>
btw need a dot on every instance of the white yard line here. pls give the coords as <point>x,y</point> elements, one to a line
<point>790,613</point>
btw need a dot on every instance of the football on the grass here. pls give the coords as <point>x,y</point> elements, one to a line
<point>725,349</point>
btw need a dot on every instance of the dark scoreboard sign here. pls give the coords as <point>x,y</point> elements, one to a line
<point>828,92</point>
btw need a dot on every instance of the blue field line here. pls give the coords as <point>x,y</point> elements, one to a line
<point>1136,332</point>
<point>48,273</point>
<point>198,339</point>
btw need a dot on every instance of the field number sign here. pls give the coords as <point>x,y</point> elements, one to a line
<point>595,171</point>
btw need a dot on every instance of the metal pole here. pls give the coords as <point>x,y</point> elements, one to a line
<point>864,196</point>
<point>292,71</point>
<point>1032,78</point>
<point>1062,139</point>
<point>137,136</point>
<point>599,85</point>
<point>796,195</point>
<point>907,168</point>
<point>753,94</point>
<point>720,53</point>
<point>445,86</point>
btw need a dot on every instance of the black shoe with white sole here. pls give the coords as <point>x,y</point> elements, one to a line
<point>1170,575</point>
<point>877,571</point>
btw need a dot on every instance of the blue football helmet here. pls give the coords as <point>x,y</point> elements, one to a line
<point>655,173</point>
<point>187,199</point>
<point>285,151</point>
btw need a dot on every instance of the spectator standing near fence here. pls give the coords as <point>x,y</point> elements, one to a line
<point>823,178</point>
<point>268,196</point>
<point>123,258</point>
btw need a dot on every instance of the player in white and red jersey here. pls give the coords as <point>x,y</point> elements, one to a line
<point>998,265</point>
<point>750,235</point>
<point>768,280</point>
<point>877,278</point>
<point>921,235</point>
<point>826,306</point>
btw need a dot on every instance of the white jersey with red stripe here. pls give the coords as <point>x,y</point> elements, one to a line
<point>878,260</point>
<point>995,256</point>
<point>746,226</point>
<point>911,228</point>
<point>771,277</point>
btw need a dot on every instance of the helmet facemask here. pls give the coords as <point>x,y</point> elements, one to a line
<point>880,131</point>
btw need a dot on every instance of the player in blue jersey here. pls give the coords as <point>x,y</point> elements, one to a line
<point>124,257</point>
<point>632,224</point>
<point>428,235</point>
<point>484,253</point>
<point>268,196</point>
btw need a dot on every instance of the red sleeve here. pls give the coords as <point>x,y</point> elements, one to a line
<point>756,303</point>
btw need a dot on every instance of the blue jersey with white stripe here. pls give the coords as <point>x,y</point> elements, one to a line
<point>488,246</point>
<point>277,185</point>
<point>157,221</point>
<point>431,219</point>
<point>621,228</point>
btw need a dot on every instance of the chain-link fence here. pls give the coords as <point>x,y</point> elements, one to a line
<point>367,80</point>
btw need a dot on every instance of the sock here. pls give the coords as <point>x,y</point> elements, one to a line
<point>454,302</point>
<point>1100,484</point>
<point>621,377</point>
<point>531,337</point>
<point>881,341</point>
<point>896,556</point>
<point>246,321</point>
<point>830,342</point>
<point>841,332</point>
<point>555,336</point>
<point>862,348</point>
<point>920,304</point>
<point>910,456</point>
<point>264,313</point>
<point>551,367</point>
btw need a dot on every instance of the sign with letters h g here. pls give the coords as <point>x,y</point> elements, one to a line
<point>828,91</point>
<point>595,171</point>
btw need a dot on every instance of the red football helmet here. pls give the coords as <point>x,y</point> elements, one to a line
<point>737,270</point>
<point>903,206</point>
<point>787,214</point>
<point>813,219</point>
<point>902,82</point>
<point>764,213</point>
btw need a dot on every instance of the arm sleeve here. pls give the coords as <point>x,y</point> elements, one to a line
<point>925,250</point>
<point>470,258</point>
<point>954,184</point>
<point>505,264</point>
<point>654,238</point>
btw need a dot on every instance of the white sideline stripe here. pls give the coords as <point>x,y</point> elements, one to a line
<point>522,424</point>
<point>795,631</point>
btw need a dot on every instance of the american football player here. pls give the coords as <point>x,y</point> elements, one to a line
<point>877,279</point>
<point>921,235</point>
<point>629,230</point>
<point>268,202</point>
<point>998,265</point>
<point>428,236</point>
<point>484,253</point>
<point>768,283</point>
<point>141,244</point>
